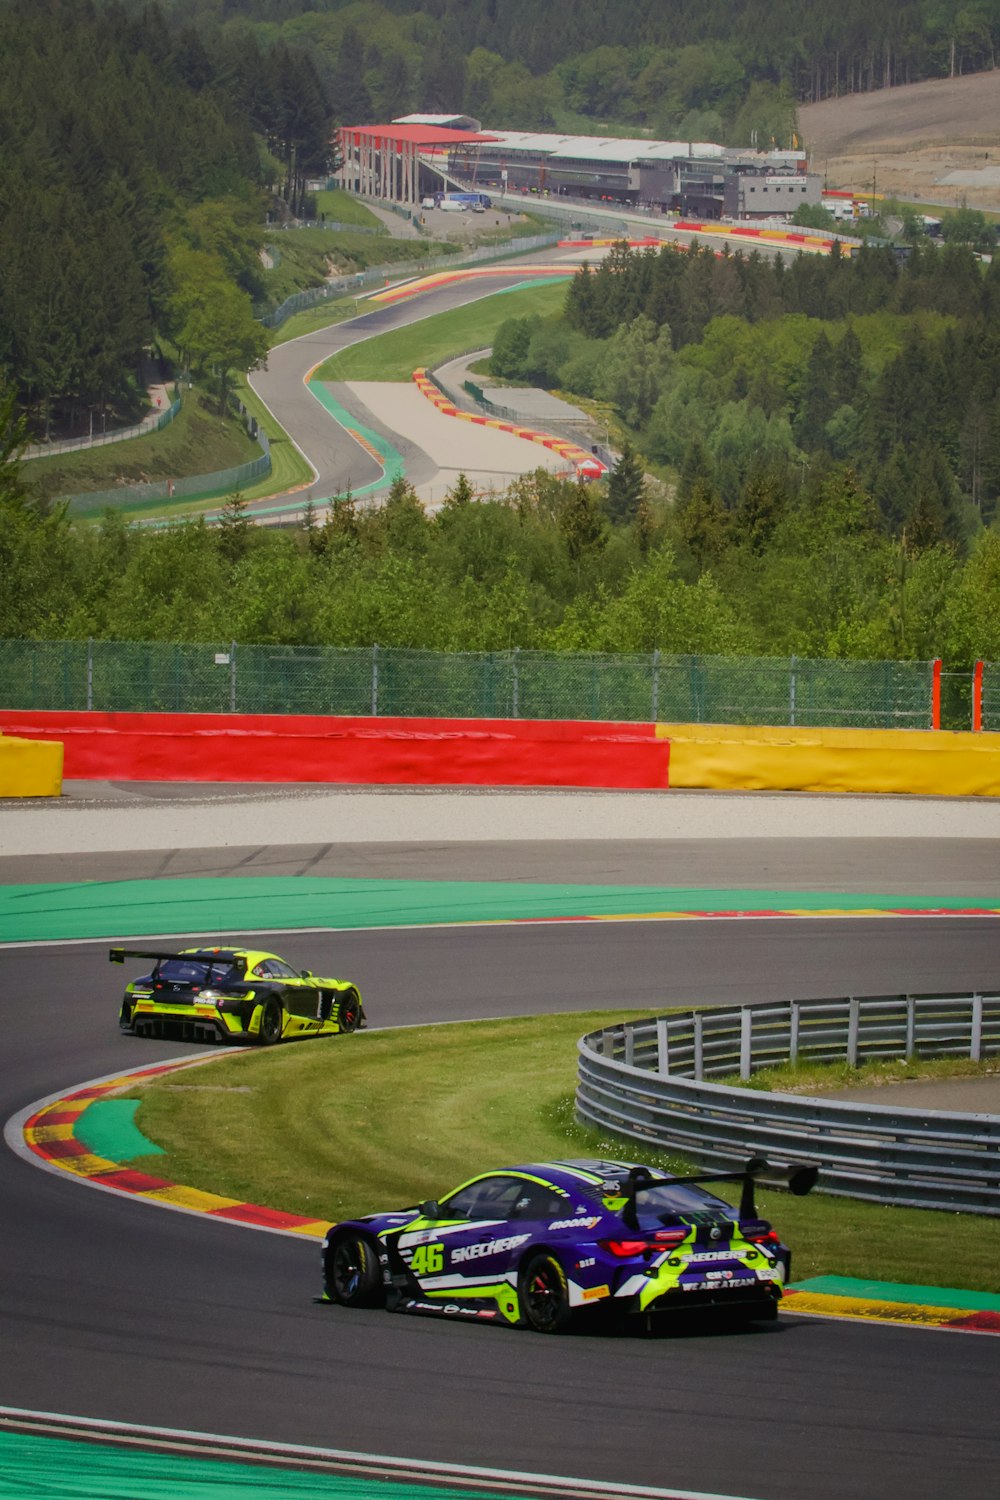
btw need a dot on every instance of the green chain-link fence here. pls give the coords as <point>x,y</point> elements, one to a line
<point>991,695</point>
<point>157,676</point>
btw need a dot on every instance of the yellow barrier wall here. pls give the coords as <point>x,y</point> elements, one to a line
<point>30,768</point>
<point>928,762</point>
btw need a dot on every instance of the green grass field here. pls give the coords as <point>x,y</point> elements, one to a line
<point>380,1120</point>
<point>395,356</point>
<point>341,208</point>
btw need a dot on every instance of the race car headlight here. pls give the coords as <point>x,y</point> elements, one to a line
<point>214,997</point>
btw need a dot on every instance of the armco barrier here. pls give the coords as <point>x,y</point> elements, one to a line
<point>414,752</point>
<point>648,1080</point>
<point>925,763</point>
<point>30,768</point>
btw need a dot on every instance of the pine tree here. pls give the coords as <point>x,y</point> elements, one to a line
<point>460,494</point>
<point>644,525</point>
<point>583,526</point>
<point>234,528</point>
<point>626,487</point>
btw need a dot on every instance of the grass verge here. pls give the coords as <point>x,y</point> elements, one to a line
<point>395,355</point>
<point>200,440</point>
<point>340,208</point>
<point>384,1119</point>
<point>288,467</point>
<point>821,1078</point>
<point>305,257</point>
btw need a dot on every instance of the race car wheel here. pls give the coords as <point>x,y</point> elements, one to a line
<point>270,1023</point>
<point>125,1019</point>
<point>544,1294</point>
<point>352,1272</point>
<point>349,1010</point>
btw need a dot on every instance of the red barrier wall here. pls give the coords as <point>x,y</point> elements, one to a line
<point>284,748</point>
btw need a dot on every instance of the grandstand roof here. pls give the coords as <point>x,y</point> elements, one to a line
<point>418,135</point>
<point>603,147</point>
<point>446,122</point>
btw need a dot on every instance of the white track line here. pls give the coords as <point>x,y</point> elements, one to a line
<point>217,1446</point>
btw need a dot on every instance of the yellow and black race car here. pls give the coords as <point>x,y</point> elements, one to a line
<point>233,995</point>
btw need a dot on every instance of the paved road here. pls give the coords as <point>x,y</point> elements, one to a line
<point>114,1309</point>
<point>438,448</point>
<point>366,815</point>
<point>340,462</point>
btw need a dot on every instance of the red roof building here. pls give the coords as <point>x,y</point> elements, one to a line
<point>392,161</point>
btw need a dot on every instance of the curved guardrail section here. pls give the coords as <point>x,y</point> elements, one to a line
<point>650,1081</point>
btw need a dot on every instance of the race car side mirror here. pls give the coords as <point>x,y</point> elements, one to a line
<point>305,974</point>
<point>430,1208</point>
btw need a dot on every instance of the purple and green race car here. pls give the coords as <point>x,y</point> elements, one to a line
<point>536,1245</point>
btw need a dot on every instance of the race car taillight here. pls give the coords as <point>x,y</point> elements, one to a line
<point>761,1234</point>
<point>663,1239</point>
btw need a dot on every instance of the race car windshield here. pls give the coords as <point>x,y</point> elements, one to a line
<point>192,971</point>
<point>666,1201</point>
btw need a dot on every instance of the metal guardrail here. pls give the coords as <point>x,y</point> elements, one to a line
<point>152,423</point>
<point>649,1081</point>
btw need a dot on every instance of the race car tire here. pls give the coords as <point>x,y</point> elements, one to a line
<point>543,1294</point>
<point>125,1020</point>
<point>349,1010</point>
<point>351,1272</point>
<point>271,1023</point>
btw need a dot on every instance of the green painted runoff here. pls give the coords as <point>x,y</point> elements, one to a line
<point>132,908</point>
<point>48,1467</point>
<point>892,1291</point>
<point>107,1128</point>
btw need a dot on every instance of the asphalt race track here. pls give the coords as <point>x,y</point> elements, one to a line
<point>114,1309</point>
<point>119,1310</point>
<point>341,463</point>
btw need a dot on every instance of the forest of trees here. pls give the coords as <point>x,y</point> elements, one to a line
<point>748,367</point>
<point>827,429</point>
<point>699,68</point>
<point>134,175</point>
<point>145,145</point>
<point>801,565</point>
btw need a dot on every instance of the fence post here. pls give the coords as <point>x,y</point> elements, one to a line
<point>911,1027</point>
<point>936,694</point>
<point>976,1040</point>
<point>374,682</point>
<point>746,1041</point>
<point>232,677</point>
<point>977,698</point>
<point>792,685</point>
<point>699,1045</point>
<point>662,1047</point>
<point>656,685</point>
<point>90,672</point>
<point>853,1015</point>
<point>794,1018</point>
<point>515,686</point>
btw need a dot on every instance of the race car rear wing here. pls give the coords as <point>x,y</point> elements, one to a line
<point>209,955</point>
<point>799,1180</point>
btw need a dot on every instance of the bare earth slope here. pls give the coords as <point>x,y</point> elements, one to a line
<point>938,142</point>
